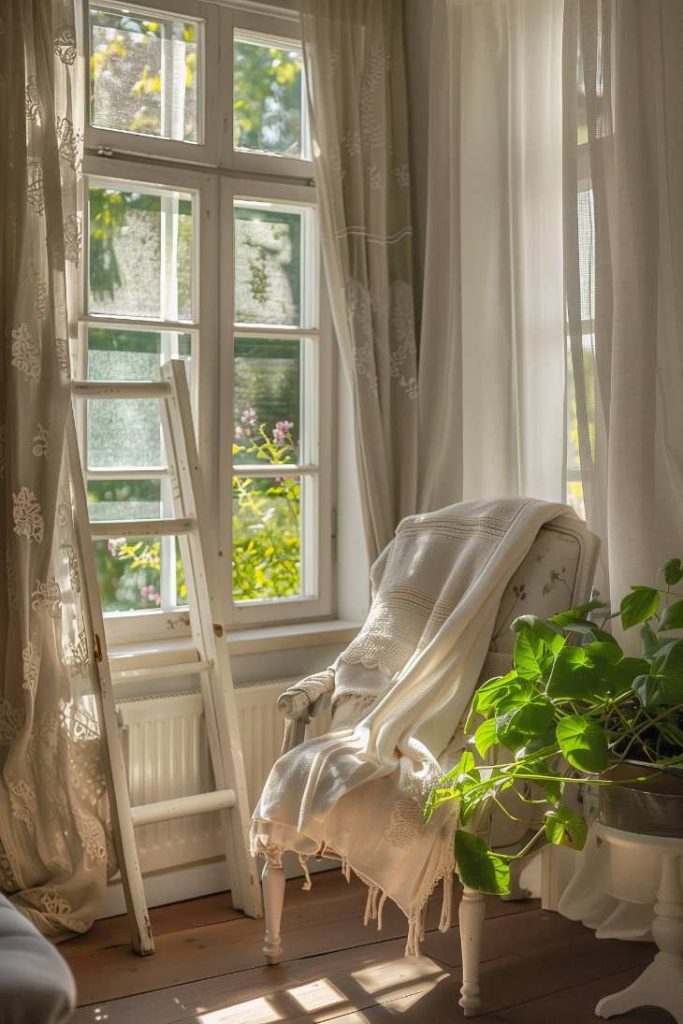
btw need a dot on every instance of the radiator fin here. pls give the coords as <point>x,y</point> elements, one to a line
<point>167,756</point>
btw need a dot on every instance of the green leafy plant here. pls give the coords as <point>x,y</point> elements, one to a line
<point>572,707</point>
<point>266,522</point>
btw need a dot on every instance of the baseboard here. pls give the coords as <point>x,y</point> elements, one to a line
<point>193,880</point>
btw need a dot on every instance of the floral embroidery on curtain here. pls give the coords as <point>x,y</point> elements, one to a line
<point>355,68</point>
<point>54,845</point>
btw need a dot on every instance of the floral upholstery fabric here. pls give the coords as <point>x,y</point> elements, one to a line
<point>544,584</point>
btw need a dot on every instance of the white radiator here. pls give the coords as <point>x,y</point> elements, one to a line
<point>167,756</point>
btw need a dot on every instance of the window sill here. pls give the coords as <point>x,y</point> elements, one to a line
<point>247,641</point>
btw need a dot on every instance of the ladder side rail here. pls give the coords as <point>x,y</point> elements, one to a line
<point>179,435</point>
<point>195,576</point>
<point>114,764</point>
<point>205,618</point>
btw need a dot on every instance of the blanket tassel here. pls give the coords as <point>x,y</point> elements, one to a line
<point>371,904</point>
<point>380,908</point>
<point>447,902</point>
<point>303,861</point>
<point>413,938</point>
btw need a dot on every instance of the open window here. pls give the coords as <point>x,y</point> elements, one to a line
<point>203,244</point>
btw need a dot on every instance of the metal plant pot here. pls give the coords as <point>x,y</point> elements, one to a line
<point>652,807</point>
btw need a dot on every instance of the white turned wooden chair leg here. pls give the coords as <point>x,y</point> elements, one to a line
<point>273,884</point>
<point>471,917</point>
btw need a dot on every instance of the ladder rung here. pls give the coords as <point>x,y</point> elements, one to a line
<point>185,668</point>
<point>120,388</point>
<point>140,527</point>
<point>180,807</point>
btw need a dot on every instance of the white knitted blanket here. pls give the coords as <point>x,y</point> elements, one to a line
<point>359,791</point>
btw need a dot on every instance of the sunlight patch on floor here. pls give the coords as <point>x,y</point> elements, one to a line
<point>383,976</point>
<point>317,995</point>
<point>255,1011</point>
<point>407,1002</point>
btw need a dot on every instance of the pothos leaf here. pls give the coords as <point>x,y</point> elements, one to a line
<point>485,736</point>
<point>639,605</point>
<point>651,642</point>
<point>540,630</point>
<point>528,655</point>
<point>673,616</point>
<point>478,867</point>
<point>583,743</point>
<point>530,772</point>
<point>517,727</point>
<point>571,677</point>
<point>565,828</point>
<point>658,691</point>
<point>568,618</point>
<point>673,571</point>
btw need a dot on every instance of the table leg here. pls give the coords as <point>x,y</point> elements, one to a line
<point>660,984</point>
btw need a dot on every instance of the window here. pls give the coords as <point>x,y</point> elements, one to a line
<point>581,377</point>
<point>589,113</point>
<point>146,73</point>
<point>203,245</point>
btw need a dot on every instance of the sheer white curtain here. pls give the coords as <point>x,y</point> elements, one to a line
<point>53,846</point>
<point>624,264</point>
<point>355,69</point>
<point>491,382</point>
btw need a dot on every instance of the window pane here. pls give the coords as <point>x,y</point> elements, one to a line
<point>124,499</point>
<point>586,233</point>
<point>133,355</point>
<point>145,74</point>
<point>136,573</point>
<point>268,255</point>
<point>125,433</point>
<point>267,401</point>
<point>129,573</point>
<point>268,97</point>
<point>140,253</point>
<point>266,538</point>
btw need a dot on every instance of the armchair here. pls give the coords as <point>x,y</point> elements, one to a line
<point>557,572</point>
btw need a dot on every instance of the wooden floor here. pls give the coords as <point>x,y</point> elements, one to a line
<point>208,968</point>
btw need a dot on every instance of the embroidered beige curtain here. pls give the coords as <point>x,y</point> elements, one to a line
<point>53,847</point>
<point>354,57</point>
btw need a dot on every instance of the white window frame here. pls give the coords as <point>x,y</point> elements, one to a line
<point>318,408</point>
<point>278,31</point>
<point>124,627</point>
<point>205,152</point>
<point>228,174</point>
<point>572,474</point>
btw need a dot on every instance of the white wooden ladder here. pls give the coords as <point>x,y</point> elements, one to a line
<point>212,663</point>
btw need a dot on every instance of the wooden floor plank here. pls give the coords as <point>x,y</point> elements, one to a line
<point>113,931</point>
<point>327,981</point>
<point>327,919</point>
<point>577,1005</point>
<point>436,1005</point>
<point>538,968</point>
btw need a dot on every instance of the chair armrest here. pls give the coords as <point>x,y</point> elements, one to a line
<point>301,702</point>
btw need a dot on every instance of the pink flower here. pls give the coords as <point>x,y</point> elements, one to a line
<point>249,418</point>
<point>238,431</point>
<point>281,430</point>
<point>149,594</point>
